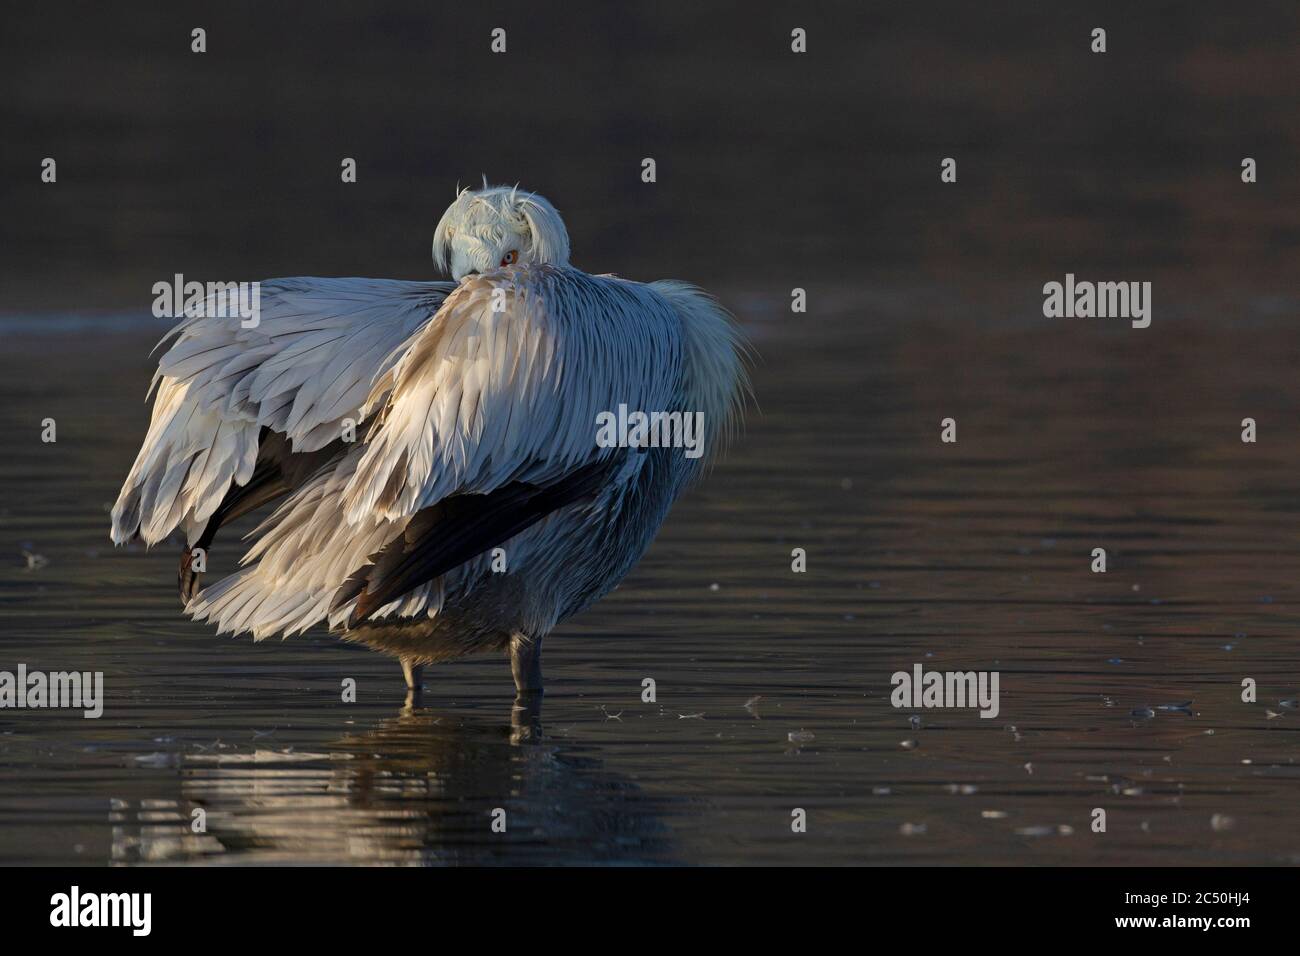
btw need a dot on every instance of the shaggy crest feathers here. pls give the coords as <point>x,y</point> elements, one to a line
<point>485,213</point>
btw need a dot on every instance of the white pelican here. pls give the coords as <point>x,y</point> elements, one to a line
<point>474,508</point>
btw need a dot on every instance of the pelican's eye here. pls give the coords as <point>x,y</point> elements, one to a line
<point>510,258</point>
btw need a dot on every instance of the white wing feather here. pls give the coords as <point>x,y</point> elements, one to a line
<point>308,364</point>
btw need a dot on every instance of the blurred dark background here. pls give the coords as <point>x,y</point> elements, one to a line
<point>774,169</point>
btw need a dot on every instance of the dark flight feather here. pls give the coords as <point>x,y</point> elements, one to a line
<point>456,529</point>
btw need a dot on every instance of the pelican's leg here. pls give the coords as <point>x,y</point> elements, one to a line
<point>414,674</point>
<point>526,663</point>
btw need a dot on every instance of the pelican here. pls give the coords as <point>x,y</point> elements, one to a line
<point>433,446</point>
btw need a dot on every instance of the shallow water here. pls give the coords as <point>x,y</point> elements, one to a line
<point>972,555</point>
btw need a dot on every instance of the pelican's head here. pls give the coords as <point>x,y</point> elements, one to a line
<point>498,226</point>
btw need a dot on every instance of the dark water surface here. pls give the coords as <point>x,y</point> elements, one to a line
<point>974,555</point>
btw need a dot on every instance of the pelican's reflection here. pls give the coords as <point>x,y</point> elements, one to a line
<point>423,787</point>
